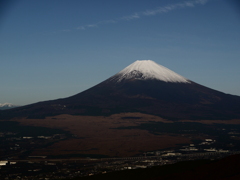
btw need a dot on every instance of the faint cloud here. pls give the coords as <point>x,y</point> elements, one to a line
<point>131,17</point>
<point>202,1</point>
<point>108,21</point>
<point>189,4</point>
<point>87,26</point>
<point>92,25</point>
<point>96,24</point>
<point>81,28</point>
<point>151,12</point>
<point>171,7</point>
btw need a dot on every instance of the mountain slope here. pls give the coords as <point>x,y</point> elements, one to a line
<point>145,87</point>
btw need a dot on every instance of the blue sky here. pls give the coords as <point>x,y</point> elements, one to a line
<point>53,49</point>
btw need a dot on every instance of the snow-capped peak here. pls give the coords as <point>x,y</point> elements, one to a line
<point>148,69</point>
<point>7,105</point>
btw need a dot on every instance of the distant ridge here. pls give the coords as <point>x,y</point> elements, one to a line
<point>7,106</point>
<point>146,87</point>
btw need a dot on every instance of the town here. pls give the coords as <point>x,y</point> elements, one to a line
<point>16,163</point>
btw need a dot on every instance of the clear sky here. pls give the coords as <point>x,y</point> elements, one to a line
<point>52,49</point>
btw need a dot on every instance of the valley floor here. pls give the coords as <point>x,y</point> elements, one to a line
<point>68,146</point>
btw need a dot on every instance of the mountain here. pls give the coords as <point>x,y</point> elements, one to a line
<point>143,86</point>
<point>7,106</point>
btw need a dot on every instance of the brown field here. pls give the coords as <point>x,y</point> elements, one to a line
<point>96,135</point>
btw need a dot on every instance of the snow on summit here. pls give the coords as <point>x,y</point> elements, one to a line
<point>148,69</point>
<point>7,106</point>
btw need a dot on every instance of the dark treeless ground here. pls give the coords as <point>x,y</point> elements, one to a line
<point>98,134</point>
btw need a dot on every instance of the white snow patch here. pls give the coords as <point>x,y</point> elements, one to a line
<point>9,105</point>
<point>148,69</point>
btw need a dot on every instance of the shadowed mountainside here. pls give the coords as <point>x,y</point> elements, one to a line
<point>165,99</point>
